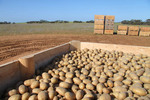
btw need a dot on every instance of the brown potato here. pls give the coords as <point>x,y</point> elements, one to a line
<point>79,94</point>
<point>64,84</point>
<point>15,97</point>
<point>70,96</point>
<point>61,91</point>
<point>25,96</point>
<point>22,89</point>
<point>104,97</point>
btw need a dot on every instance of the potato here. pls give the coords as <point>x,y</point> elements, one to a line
<point>104,97</point>
<point>33,97</point>
<point>76,80</point>
<point>43,86</point>
<point>36,90</point>
<point>99,88</point>
<point>86,81</point>
<point>95,82</point>
<point>69,80</point>
<point>22,89</point>
<point>35,84</point>
<point>118,83</point>
<point>133,75</point>
<point>105,90</point>
<point>139,91</point>
<point>15,97</point>
<point>42,95</point>
<point>74,88</point>
<point>145,79</point>
<point>118,77</point>
<point>109,73</point>
<point>147,86</point>
<point>70,96</point>
<point>102,80</point>
<point>64,84</point>
<point>120,95</point>
<point>54,80</point>
<point>110,83</point>
<point>90,86</point>
<point>86,98</point>
<point>52,94</point>
<point>12,92</point>
<point>28,82</point>
<point>61,91</point>
<point>81,85</point>
<point>82,77</point>
<point>79,94</point>
<point>69,75</point>
<point>119,89</point>
<point>127,82</point>
<point>89,95</point>
<point>25,96</point>
<point>45,75</point>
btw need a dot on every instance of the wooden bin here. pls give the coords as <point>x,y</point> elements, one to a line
<point>133,31</point>
<point>12,72</point>
<point>144,31</point>
<point>109,24</point>
<point>122,30</point>
<point>99,24</point>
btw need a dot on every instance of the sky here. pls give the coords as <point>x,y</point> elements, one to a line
<point>70,10</point>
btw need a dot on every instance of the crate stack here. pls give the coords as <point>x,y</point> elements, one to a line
<point>109,24</point>
<point>133,31</point>
<point>122,30</point>
<point>144,31</point>
<point>99,24</point>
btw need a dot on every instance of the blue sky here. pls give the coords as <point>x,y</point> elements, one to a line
<point>27,10</point>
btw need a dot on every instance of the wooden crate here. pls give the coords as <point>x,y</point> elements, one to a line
<point>133,33</point>
<point>144,33</point>
<point>122,28</point>
<point>99,31</point>
<point>121,32</point>
<point>11,72</point>
<point>99,27</point>
<point>99,17</point>
<point>108,31</point>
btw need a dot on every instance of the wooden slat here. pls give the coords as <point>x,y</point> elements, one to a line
<point>110,17</point>
<point>133,28</point>
<point>122,32</point>
<point>99,31</point>
<point>122,27</point>
<point>144,33</point>
<point>99,16</point>
<point>99,22</point>
<point>133,33</point>
<point>145,29</point>
<point>98,27</point>
<point>109,32</point>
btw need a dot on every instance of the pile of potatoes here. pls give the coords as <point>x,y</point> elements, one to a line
<point>88,75</point>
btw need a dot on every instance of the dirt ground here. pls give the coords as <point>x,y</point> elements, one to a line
<point>14,47</point>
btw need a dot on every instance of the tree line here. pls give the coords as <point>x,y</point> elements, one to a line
<point>136,22</point>
<point>58,21</point>
<point>5,22</point>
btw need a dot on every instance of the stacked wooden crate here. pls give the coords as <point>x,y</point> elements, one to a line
<point>99,24</point>
<point>133,31</point>
<point>144,31</point>
<point>122,30</point>
<point>109,24</point>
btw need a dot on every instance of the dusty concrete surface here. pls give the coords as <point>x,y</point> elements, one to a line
<point>14,47</point>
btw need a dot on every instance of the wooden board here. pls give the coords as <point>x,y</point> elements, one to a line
<point>122,32</point>
<point>99,31</point>
<point>99,22</point>
<point>99,16</point>
<point>110,17</point>
<point>144,33</point>
<point>98,27</point>
<point>109,32</point>
<point>133,28</point>
<point>145,29</point>
<point>133,33</point>
<point>122,28</point>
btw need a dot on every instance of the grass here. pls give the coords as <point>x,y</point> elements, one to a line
<point>50,28</point>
